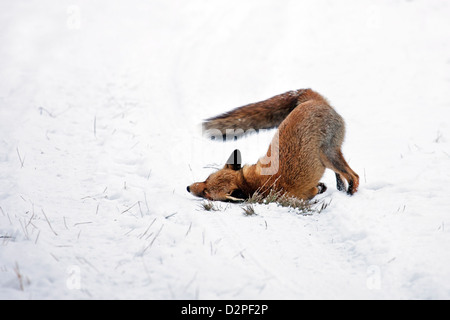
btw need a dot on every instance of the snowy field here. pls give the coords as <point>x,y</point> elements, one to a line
<point>100,106</point>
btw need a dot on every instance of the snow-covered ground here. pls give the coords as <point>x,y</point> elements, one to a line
<point>100,105</point>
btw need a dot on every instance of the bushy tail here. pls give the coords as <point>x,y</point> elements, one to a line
<point>265,114</point>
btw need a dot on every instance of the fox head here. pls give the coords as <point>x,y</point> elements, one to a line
<point>225,184</point>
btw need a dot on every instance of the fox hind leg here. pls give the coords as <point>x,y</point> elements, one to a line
<point>340,184</point>
<point>335,161</point>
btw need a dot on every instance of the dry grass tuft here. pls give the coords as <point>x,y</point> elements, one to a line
<point>249,210</point>
<point>304,207</point>
<point>209,206</point>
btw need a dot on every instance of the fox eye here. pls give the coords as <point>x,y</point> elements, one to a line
<point>239,194</point>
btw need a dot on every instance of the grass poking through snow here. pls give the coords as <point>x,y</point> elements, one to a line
<point>303,207</point>
<point>249,210</point>
<point>209,206</point>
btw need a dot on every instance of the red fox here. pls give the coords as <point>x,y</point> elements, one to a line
<point>308,140</point>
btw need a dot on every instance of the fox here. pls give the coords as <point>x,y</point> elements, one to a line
<point>308,140</point>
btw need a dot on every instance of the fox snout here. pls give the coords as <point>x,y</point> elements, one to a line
<point>197,189</point>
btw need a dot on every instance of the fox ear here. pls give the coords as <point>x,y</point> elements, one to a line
<point>234,161</point>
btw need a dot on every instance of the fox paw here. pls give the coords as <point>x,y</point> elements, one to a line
<point>321,187</point>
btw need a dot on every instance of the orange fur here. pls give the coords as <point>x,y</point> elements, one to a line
<point>309,138</point>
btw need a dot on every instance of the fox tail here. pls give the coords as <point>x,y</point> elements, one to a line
<point>265,114</point>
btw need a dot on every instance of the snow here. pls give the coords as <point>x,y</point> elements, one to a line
<point>100,106</point>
